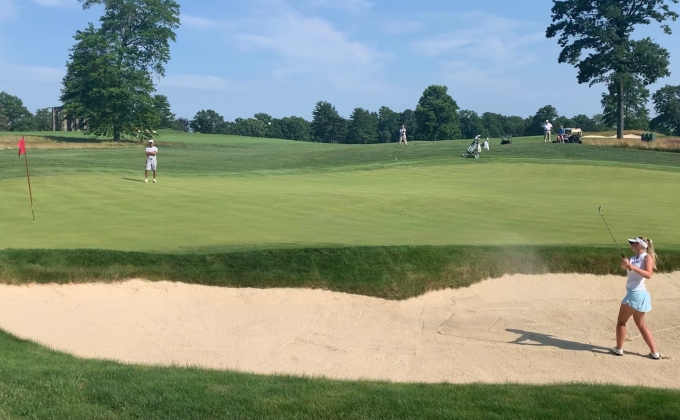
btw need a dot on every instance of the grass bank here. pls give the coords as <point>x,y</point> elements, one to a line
<point>386,272</point>
<point>39,383</point>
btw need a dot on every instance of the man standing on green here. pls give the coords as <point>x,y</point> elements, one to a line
<point>547,129</point>
<point>151,153</point>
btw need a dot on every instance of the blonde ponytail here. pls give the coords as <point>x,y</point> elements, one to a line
<point>650,249</point>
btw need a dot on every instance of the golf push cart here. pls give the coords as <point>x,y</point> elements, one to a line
<point>473,150</point>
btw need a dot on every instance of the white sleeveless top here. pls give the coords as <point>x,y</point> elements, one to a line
<point>636,282</point>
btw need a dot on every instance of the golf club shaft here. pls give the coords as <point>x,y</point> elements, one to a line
<point>610,232</point>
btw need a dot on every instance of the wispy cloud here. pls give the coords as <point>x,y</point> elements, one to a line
<point>194,82</point>
<point>312,46</point>
<point>33,74</point>
<point>8,10</point>
<point>350,6</point>
<point>56,3</point>
<point>491,39</point>
<point>199,22</point>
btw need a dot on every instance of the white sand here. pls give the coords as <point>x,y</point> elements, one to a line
<point>529,329</point>
<point>625,136</point>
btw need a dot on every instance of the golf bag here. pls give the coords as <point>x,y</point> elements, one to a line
<point>474,150</point>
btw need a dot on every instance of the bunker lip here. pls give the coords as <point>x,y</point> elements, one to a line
<point>524,329</point>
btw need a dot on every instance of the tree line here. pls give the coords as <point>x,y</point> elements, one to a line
<point>437,117</point>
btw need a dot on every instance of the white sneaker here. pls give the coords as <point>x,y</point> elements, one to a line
<point>655,356</point>
<point>146,180</point>
<point>617,351</point>
<point>154,181</point>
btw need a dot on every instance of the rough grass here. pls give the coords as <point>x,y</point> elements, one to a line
<point>386,272</point>
<point>37,383</point>
<point>661,144</point>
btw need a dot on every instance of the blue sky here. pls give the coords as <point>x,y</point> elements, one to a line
<point>240,57</point>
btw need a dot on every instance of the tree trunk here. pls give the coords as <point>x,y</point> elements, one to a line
<point>116,133</point>
<point>619,110</point>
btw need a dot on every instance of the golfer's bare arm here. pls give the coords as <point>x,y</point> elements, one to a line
<point>649,267</point>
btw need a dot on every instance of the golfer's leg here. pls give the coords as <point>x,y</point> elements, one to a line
<point>646,334</point>
<point>624,315</point>
<point>146,173</point>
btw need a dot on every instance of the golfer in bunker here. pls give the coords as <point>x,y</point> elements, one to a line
<point>151,153</point>
<point>637,301</point>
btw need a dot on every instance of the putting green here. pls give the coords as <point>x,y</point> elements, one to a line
<point>495,203</point>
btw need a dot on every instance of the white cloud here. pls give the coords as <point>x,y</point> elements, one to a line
<point>490,38</point>
<point>312,46</point>
<point>350,6</point>
<point>33,74</point>
<point>198,22</point>
<point>8,10</point>
<point>56,3</point>
<point>194,82</point>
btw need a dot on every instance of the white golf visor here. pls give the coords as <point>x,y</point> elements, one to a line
<point>638,241</point>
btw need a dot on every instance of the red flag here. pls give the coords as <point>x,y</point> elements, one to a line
<point>22,146</point>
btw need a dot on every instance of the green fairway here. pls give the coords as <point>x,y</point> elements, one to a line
<point>495,204</point>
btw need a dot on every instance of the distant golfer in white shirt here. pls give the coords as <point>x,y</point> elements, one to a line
<point>151,161</point>
<point>547,129</point>
<point>402,135</point>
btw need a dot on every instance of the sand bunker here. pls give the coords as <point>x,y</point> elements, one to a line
<point>528,329</point>
<point>625,136</point>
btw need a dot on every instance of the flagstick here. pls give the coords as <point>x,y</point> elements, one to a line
<point>30,193</point>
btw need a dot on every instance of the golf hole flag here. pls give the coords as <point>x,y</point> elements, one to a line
<point>22,151</point>
<point>22,146</point>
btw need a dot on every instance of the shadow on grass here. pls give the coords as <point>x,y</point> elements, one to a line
<point>133,180</point>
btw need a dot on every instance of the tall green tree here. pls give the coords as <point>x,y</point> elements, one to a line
<point>437,115</point>
<point>18,117</point>
<point>363,127</point>
<point>109,79</point>
<point>667,106</point>
<point>388,125</point>
<point>327,125</point>
<point>162,106</point>
<point>601,31</point>
<point>296,128</point>
<point>408,119</point>
<point>206,122</point>
<point>470,124</point>
<point>42,120</point>
<point>548,113</point>
<point>635,100</point>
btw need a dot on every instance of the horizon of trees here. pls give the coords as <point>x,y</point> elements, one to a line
<point>366,127</point>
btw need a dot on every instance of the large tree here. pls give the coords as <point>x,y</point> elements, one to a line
<point>162,106</point>
<point>595,37</point>
<point>109,80</point>
<point>546,113</point>
<point>207,122</point>
<point>363,127</point>
<point>327,125</point>
<point>470,124</point>
<point>17,116</point>
<point>388,125</point>
<point>667,106</point>
<point>437,115</point>
<point>635,100</point>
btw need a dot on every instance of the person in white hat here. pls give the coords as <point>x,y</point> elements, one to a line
<point>638,300</point>
<point>547,131</point>
<point>151,161</point>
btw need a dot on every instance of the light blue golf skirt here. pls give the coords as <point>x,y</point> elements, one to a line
<point>640,301</point>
